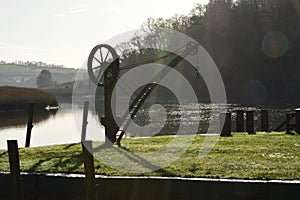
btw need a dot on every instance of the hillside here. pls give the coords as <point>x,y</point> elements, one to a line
<point>25,76</point>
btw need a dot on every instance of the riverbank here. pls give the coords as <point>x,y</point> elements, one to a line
<point>264,156</point>
<point>17,99</point>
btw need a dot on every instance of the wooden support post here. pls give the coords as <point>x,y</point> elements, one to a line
<point>265,120</point>
<point>84,120</point>
<point>297,120</point>
<point>250,122</point>
<point>288,117</point>
<point>14,164</point>
<point>240,121</point>
<point>226,130</point>
<point>109,108</point>
<point>29,124</point>
<point>89,170</point>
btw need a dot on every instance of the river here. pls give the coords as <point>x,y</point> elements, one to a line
<point>63,127</point>
<point>60,128</point>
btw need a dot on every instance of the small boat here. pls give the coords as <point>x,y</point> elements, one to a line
<point>48,107</point>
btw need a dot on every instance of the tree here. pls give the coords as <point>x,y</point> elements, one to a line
<point>251,42</point>
<point>45,80</point>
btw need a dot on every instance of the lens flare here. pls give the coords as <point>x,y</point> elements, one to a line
<point>274,44</point>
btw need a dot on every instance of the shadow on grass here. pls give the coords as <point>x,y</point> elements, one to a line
<point>36,165</point>
<point>5,153</point>
<point>70,145</point>
<point>73,163</point>
<point>61,164</point>
<point>135,159</point>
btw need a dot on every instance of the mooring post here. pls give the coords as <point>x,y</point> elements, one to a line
<point>89,170</point>
<point>297,120</point>
<point>29,124</point>
<point>226,118</point>
<point>264,120</point>
<point>250,122</point>
<point>240,121</point>
<point>14,164</point>
<point>84,120</point>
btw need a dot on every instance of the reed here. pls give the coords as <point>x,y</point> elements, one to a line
<point>16,99</point>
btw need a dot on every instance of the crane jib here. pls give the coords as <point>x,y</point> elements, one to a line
<point>145,92</point>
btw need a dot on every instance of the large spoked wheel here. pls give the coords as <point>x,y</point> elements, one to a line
<point>103,65</point>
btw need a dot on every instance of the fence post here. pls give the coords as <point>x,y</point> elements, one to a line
<point>89,170</point>
<point>288,123</point>
<point>14,164</point>
<point>240,121</point>
<point>297,120</point>
<point>29,124</point>
<point>250,122</point>
<point>84,120</point>
<point>226,129</point>
<point>88,159</point>
<point>265,120</point>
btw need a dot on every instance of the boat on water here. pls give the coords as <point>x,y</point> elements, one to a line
<point>48,107</point>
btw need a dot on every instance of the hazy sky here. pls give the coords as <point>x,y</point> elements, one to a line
<point>64,31</point>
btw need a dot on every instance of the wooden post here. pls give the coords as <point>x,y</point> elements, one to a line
<point>250,122</point>
<point>29,124</point>
<point>109,109</point>
<point>226,130</point>
<point>14,164</point>
<point>240,121</point>
<point>89,170</point>
<point>297,120</point>
<point>84,120</point>
<point>264,120</point>
<point>288,123</point>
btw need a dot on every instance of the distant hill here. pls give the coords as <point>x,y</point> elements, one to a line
<point>25,76</point>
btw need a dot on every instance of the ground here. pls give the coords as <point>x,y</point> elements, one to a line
<point>262,156</point>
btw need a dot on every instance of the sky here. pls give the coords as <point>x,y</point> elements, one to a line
<point>63,32</point>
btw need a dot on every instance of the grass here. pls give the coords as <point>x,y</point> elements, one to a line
<point>262,156</point>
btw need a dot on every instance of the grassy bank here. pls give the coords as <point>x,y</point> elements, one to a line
<point>13,98</point>
<point>243,156</point>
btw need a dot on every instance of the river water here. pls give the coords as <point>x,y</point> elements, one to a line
<point>63,127</point>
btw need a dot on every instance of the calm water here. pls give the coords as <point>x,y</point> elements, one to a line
<point>60,128</point>
<point>63,127</point>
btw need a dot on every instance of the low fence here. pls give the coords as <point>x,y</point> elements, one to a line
<point>62,187</point>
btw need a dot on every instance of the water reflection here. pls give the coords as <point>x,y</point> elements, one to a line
<point>18,118</point>
<point>49,127</point>
<point>204,114</point>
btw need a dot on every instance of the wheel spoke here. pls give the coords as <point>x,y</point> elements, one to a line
<point>101,56</point>
<point>106,56</point>
<point>97,67</point>
<point>97,60</point>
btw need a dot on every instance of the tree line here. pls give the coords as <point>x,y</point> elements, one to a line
<point>254,43</point>
<point>31,63</point>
